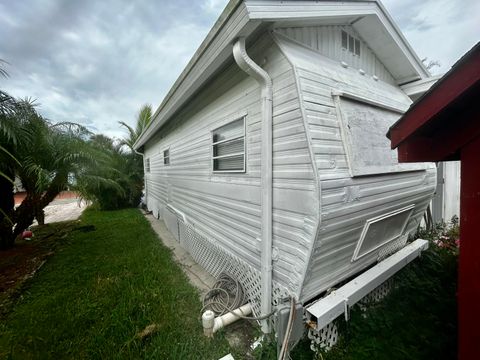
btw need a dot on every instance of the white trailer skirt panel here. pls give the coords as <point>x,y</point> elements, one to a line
<point>327,309</point>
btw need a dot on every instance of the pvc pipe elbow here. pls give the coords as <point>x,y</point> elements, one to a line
<point>208,321</point>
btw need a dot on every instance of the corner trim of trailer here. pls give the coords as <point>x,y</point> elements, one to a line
<point>317,184</point>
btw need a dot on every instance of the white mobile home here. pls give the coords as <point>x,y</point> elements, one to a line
<point>268,157</point>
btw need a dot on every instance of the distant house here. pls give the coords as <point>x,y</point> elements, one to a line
<point>268,157</point>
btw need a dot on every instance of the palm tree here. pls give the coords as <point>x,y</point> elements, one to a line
<point>144,118</point>
<point>51,158</point>
<point>58,156</point>
<point>124,167</point>
<point>8,139</point>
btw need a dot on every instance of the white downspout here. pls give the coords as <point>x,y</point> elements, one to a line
<point>251,68</point>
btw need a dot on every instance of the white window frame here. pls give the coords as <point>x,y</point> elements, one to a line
<point>166,159</point>
<point>244,153</point>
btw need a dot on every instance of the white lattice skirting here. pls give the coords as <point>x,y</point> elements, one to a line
<point>215,260</point>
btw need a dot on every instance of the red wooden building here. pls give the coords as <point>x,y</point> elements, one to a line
<point>443,125</point>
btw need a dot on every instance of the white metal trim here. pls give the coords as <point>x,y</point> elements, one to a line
<point>177,212</point>
<point>327,309</point>
<point>419,87</point>
<point>227,140</point>
<point>366,100</point>
<point>371,221</point>
<point>228,155</point>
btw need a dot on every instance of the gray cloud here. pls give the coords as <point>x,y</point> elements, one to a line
<point>440,30</point>
<point>97,62</point>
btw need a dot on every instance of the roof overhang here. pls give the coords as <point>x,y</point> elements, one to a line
<point>243,18</point>
<point>445,118</point>
<point>417,88</point>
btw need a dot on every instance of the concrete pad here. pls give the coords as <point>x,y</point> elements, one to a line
<point>63,210</point>
<point>197,276</point>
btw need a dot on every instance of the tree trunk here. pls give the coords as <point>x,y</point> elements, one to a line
<point>24,215</point>
<point>40,216</point>
<point>7,203</point>
<point>33,205</point>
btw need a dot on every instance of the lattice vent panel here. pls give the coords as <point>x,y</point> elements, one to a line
<point>392,247</point>
<point>323,339</point>
<point>379,293</point>
<point>215,260</point>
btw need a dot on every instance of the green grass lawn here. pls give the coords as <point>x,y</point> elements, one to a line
<point>100,290</point>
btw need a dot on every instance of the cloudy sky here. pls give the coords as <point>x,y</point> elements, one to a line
<point>96,62</point>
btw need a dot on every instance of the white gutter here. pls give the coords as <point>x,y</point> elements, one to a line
<point>251,68</point>
<point>327,309</point>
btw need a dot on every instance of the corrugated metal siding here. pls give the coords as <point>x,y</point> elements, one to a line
<point>226,207</point>
<point>328,42</point>
<point>343,216</point>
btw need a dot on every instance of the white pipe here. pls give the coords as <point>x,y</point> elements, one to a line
<point>231,317</point>
<point>261,76</point>
<point>212,324</point>
<point>208,322</point>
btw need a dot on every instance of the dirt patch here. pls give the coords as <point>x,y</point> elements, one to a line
<point>21,262</point>
<point>240,336</point>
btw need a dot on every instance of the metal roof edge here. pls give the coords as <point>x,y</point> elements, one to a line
<point>407,45</point>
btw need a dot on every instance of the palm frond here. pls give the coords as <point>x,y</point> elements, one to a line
<point>3,72</point>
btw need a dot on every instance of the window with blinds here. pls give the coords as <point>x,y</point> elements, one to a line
<point>228,147</point>
<point>166,157</point>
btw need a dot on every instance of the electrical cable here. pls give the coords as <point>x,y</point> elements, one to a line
<point>226,296</point>
<point>286,338</point>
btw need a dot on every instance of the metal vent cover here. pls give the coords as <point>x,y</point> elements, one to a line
<point>381,230</point>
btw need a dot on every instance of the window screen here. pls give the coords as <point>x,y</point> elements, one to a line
<point>228,147</point>
<point>166,157</point>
